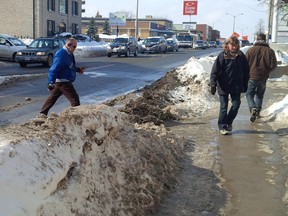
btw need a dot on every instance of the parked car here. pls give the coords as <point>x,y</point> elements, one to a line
<point>154,44</point>
<point>244,43</point>
<point>172,44</point>
<point>199,44</point>
<point>123,46</point>
<point>213,44</point>
<point>9,46</point>
<point>41,50</point>
<point>206,44</point>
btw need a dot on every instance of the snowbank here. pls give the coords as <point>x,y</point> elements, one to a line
<point>89,156</point>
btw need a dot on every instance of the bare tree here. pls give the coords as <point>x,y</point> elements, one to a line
<point>260,28</point>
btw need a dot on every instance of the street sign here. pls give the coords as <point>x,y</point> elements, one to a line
<point>117,19</point>
<point>189,25</point>
<point>190,7</point>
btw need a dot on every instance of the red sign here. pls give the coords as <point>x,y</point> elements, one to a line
<point>235,34</point>
<point>245,37</point>
<point>190,7</point>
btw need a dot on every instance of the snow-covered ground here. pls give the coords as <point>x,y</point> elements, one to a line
<point>92,159</point>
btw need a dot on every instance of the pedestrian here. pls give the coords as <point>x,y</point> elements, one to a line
<point>61,76</point>
<point>262,61</point>
<point>229,75</point>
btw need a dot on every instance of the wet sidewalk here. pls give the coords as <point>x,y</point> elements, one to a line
<point>251,166</point>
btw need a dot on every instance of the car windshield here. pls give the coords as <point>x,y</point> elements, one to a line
<point>41,44</point>
<point>199,42</point>
<point>184,38</point>
<point>169,41</point>
<point>17,42</point>
<point>151,40</point>
<point>120,40</point>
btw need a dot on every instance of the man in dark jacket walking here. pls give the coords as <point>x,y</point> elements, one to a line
<point>262,61</point>
<point>61,76</point>
<point>230,74</point>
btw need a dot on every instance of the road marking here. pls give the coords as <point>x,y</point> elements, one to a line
<point>93,68</point>
<point>94,74</point>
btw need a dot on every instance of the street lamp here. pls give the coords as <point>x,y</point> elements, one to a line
<point>234,16</point>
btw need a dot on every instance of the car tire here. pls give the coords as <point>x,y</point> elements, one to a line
<point>49,61</point>
<point>13,57</point>
<point>136,53</point>
<point>22,64</point>
<point>127,53</point>
<point>109,55</point>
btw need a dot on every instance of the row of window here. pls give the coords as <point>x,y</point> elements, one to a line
<point>63,6</point>
<point>62,27</point>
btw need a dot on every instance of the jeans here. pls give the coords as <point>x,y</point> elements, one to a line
<point>255,94</point>
<point>227,118</point>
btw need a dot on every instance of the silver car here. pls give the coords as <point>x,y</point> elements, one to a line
<point>155,44</point>
<point>9,46</point>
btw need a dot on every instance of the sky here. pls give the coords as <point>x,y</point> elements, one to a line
<point>211,12</point>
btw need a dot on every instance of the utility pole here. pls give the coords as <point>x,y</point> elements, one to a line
<point>234,17</point>
<point>137,23</point>
<point>271,2</point>
<point>275,21</point>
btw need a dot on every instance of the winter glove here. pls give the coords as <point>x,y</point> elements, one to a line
<point>51,87</point>
<point>213,89</point>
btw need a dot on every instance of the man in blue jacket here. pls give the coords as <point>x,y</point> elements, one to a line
<point>229,75</point>
<point>61,76</point>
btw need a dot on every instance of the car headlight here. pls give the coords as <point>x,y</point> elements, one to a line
<point>19,53</point>
<point>122,47</point>
<point>40,53</point>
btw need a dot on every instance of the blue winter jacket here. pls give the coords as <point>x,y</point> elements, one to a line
<point>63,68</point>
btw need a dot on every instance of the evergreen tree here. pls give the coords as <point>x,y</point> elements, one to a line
<point>106,28</point>
<point>98,15</point>
<point>92,29</point>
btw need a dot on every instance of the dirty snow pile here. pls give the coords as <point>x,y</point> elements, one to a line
<point>90,160</point>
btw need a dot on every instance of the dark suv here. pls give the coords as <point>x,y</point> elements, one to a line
<point>41,50</point>
<point>123,46</point>
<point>244,43</point>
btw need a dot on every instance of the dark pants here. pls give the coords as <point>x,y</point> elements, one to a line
<point>227,118</point>
<point>60,88</point>
<point>255,94</point>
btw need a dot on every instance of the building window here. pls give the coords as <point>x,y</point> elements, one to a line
<point>63,6</point>
<point>62,27</point>
<point>75,8</point>
<point>50,28</point>
<point>51,5</point>
<point>74,28</point>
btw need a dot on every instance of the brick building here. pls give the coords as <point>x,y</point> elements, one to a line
<point>206,31</point>
<point>40,18</point>
<point>146,26</point>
